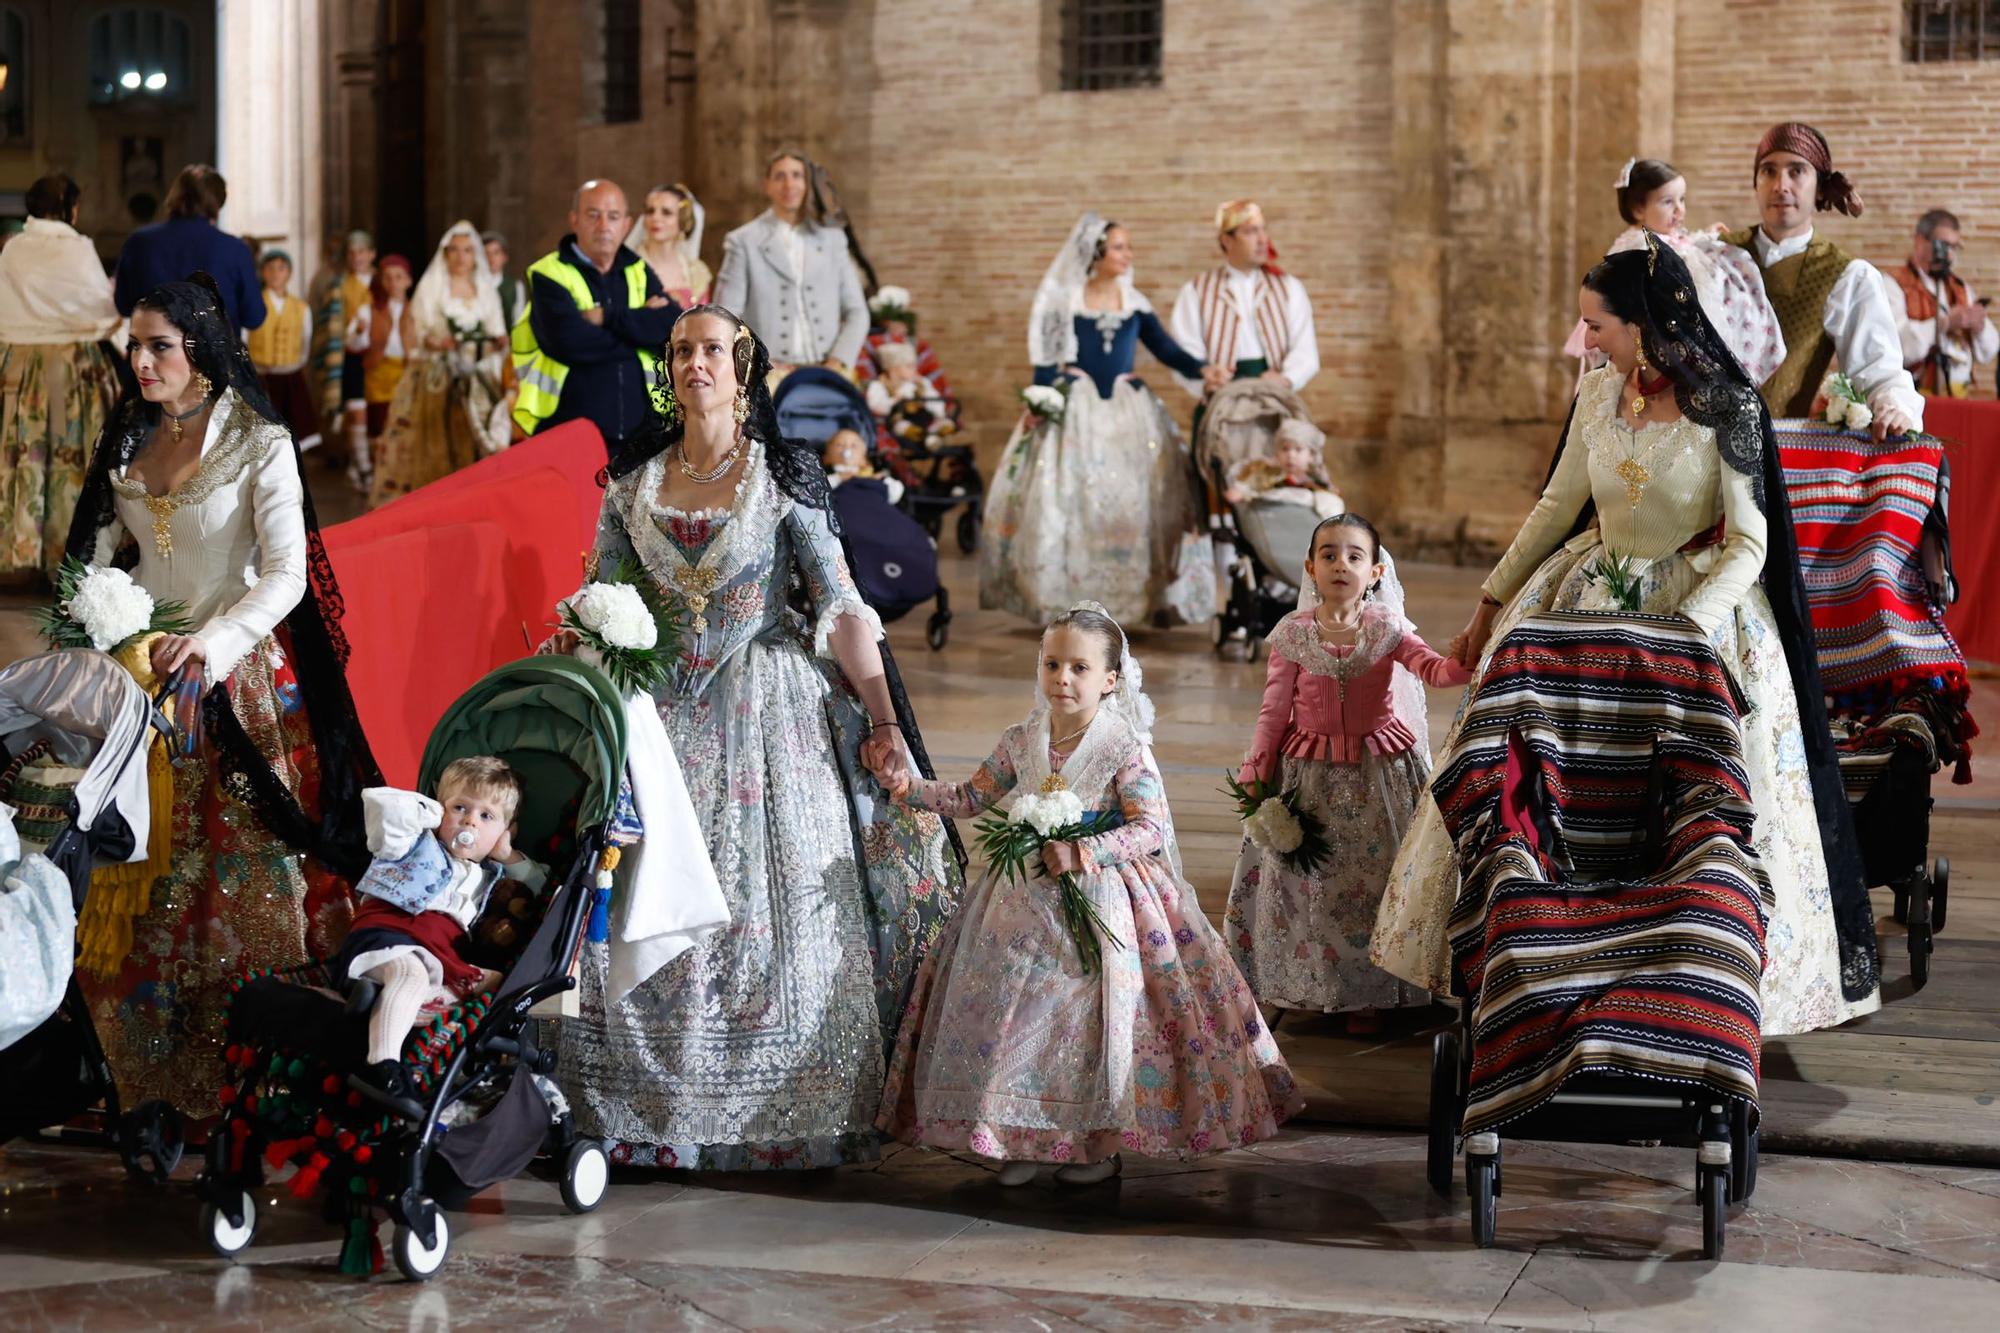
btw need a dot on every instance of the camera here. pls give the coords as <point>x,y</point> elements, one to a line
<point>1940,258</point>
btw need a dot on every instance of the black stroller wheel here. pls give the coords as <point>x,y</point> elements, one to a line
<point>151,1141</point>
<point>1940,888</point>
<point>586,1175</point>
<point>937,630</point>
<point>1743,1142</point>
<point>1480,1178</point>
<point>1443,1145</point>
<point>1712,1184</point>
<point>225,1237</point>
<point>968,530</point>
<point>417,1261</point>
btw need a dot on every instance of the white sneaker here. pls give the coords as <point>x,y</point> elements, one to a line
<point>1013,1174</point>
<point>1089,1173</point>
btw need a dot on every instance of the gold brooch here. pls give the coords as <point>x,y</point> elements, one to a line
<point>1053,782</point>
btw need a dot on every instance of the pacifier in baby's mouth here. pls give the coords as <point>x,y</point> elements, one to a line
<point>465,837</point>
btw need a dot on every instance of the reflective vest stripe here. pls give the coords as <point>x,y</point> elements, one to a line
<point>539,376</point>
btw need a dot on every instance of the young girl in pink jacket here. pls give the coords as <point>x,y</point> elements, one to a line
<point>1342,730</point>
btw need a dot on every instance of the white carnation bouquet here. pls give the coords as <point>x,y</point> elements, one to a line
<point>621,629</point>
<point>102,608</point>
<point>1845,405</point>
<point>1273,822</point>
<point>1013,847</point>
<point>1045,402</point>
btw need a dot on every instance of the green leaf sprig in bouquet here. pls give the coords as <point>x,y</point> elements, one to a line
<point>624,628</point>
<point>1273,821</point>
<point>102,608</point>
<point>1012,844</point>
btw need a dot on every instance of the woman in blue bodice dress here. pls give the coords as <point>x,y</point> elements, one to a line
<point>1098,501</point>
<point>765,1045</point>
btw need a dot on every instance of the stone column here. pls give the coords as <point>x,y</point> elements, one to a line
<point>1511,120</point>
<point>268,125</point>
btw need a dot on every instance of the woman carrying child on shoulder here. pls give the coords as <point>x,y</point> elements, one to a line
<point>1016,1048</point>
<point>1342,733</point>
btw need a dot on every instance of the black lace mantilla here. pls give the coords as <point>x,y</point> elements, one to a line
<point>319,649</point>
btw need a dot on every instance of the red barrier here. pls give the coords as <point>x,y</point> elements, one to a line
<point>1971,432</point>
<point>447,583</point>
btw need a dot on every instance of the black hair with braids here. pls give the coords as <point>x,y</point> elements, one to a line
<point>1651,288</point>
<point>318,648</point>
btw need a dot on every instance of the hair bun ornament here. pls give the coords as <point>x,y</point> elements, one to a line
<point>1625,174</point>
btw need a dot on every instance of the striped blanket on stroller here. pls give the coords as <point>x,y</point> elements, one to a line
<point>1890,667</point>
<point>1611,911</point>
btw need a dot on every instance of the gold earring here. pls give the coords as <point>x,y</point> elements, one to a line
<point>741,411</point>
<point>203,386</point>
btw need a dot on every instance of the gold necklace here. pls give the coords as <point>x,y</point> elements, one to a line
<point>1057,745</point>
<point>728,462</point>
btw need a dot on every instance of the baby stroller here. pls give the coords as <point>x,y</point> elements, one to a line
<point>1608,937</point>
<point>490,1110</point>
<point>1875,549</point>
<point>80,712</point>
<point>924,451</point>
<point>1270,538</point>
<point>893,559</point>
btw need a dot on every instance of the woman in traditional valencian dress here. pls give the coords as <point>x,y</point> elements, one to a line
<point>1672,445</point>
<point>668,237</point>
<point>442,417</point>
<point>56,379</point>
<point>765,1046</point>
<point>1097,503</point>
<point>197,470</point>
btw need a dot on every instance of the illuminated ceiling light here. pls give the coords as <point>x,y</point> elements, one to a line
<point>129,79</point>
<point>156,81</point>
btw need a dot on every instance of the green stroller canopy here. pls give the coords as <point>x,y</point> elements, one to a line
<point>560,724</point>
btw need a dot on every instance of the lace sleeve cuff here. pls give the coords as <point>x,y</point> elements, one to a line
<point>845,605</point>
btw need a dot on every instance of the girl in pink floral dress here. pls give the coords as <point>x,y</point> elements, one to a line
<point>1010,1048</point>
<point>1342,729</point>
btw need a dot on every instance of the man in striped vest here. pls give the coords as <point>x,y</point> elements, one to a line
<point>1247,314</point>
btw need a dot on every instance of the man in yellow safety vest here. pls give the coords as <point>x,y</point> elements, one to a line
<point>588,343</point>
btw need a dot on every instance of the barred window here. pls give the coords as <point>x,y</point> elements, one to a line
<point>1110,44</point>
<point>1951,30</point>
<point>622,41</point>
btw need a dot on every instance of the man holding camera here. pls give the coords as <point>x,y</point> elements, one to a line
<point>1944,327</point>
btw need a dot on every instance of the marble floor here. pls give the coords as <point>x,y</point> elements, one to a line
<point>1328,1227</point>
<point>1315,1230</point>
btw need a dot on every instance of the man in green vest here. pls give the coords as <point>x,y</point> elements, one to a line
<point>1833,309</point>
<point>588,344</point>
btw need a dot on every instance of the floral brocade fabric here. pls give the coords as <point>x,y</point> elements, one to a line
<point>1011,1050</point>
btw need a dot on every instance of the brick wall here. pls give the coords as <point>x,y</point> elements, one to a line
<point>979,171</point>
<point>1910,137</point>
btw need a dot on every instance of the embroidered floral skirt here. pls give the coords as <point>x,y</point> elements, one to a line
<point>1099,505</point>
<point>430,432</point>
<point>53,400</point>
<point>1302,940</point>
<point>236,898</point>
<point>1012,1051</point>
<point>764,1047</point>
<point>1801,983</point>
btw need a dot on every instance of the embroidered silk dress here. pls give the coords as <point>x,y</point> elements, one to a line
<point>1012,1051</point>
<point>1099,503</point>
<point>1332,733</point>
<point>764,1046</point>
<point>231,543</point>
<point>1659,489</point>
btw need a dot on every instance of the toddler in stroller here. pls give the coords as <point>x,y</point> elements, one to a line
<point>1608,937</point>
<point>485,1106</point>
<point>1262,461</point>
<point>436,863</point>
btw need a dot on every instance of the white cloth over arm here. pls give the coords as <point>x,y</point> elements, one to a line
<point>37,936</point>
<point>1861,320</point>
<point>668,899</point>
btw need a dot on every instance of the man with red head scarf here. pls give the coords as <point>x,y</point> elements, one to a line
<point>1247,315</point>
<point>1832,308</point>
